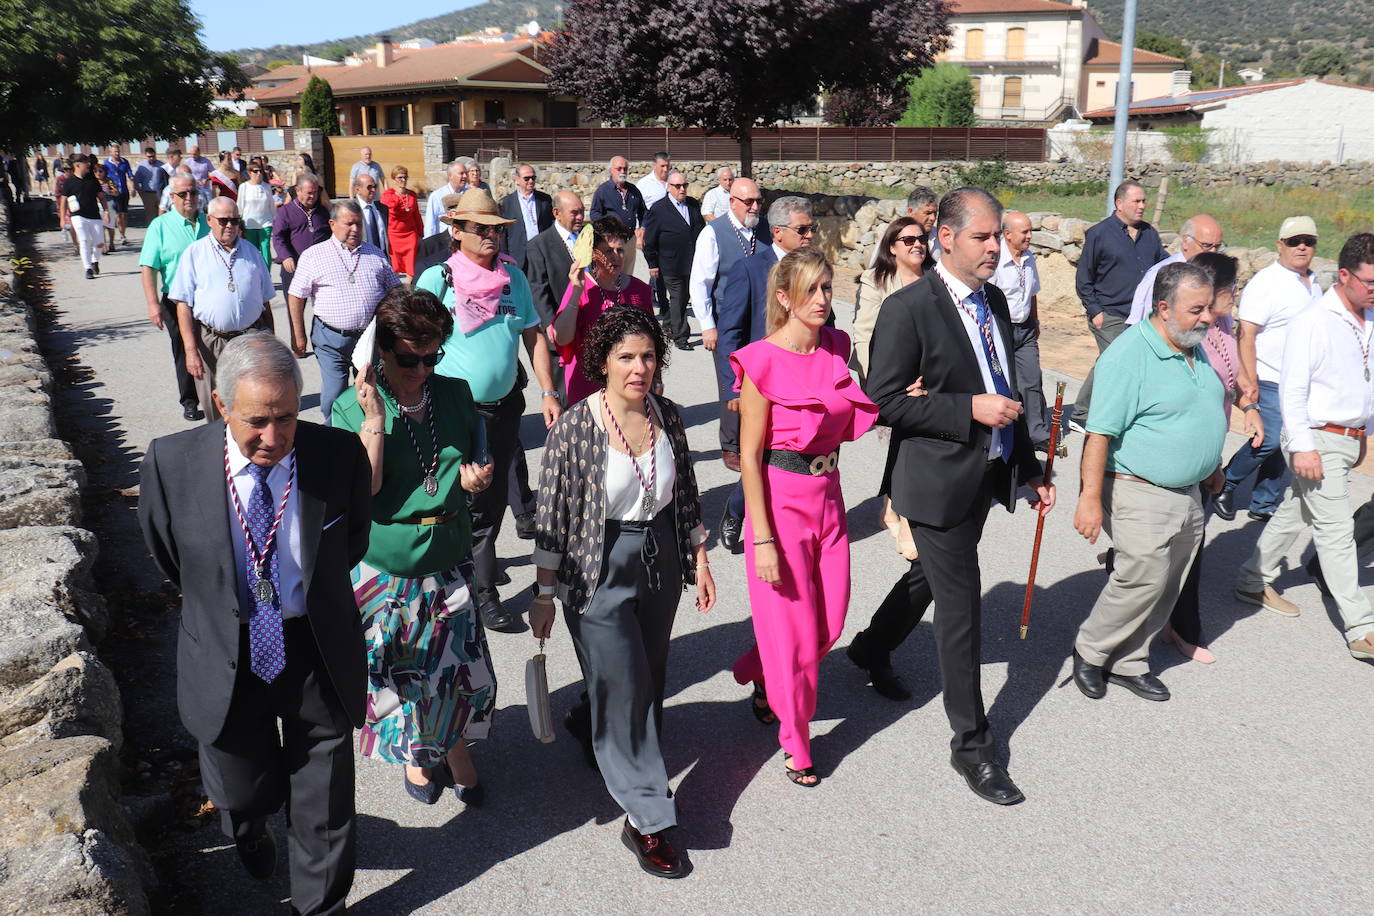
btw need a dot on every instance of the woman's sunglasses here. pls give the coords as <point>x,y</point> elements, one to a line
<point>411,360</point>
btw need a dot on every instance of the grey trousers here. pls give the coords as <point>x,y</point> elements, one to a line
<point>1155,532</point>
<point>209,345</point>
<point>1113,326</point>
<point>622,645</point>
<point>1026,356</point>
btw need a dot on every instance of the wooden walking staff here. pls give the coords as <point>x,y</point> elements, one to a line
<point>1056,419</point>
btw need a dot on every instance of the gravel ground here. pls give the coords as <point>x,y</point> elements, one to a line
<point>1239,795</point>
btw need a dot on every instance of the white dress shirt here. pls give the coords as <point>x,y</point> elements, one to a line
<point>705,261</point>
<point>288,536</point>
<point>1272,299</point>
<point>624,492</point>
<point>1018,281</point>
<point>529,210</point>
<point>963,294</point>
<point>202,282</point>
<point>682,211</point>
<point>652,189</point>
<point>715,202</point>
<point>1143,302</point>
<point>434,208</point>
<point>1326,364</point>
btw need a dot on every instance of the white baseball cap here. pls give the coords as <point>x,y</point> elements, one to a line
<point>1298,225</point>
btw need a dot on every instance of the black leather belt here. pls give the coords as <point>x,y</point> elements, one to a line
<point>357,333</point>
<point>227,335</point>
<point>802,463</point>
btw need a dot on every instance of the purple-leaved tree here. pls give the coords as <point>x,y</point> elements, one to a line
<point>730,65</point>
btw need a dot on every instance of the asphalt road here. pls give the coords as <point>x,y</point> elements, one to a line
<point>1242,794</point>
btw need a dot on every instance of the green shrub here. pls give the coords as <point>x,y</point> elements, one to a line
<point>941,96</point>
<point>990,174</point>
<point>1187,143</point>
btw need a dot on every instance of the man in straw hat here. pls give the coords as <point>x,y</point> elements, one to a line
<point>494,312</point>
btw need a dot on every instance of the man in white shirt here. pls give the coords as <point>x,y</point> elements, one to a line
<point>1198,234</point>
<point>434,205</point>
<point>716,202</point>
<point>1328,405</point>
<point>1016,276</point>
<point>374,214</point>
<point>741,223</point>
<point>654,186</point>
<point>1272,299</point>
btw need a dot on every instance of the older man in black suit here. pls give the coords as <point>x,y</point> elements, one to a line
<point>670,238</point>
<point>436,248</point>
<point>953,452</point>
<point>258,520</point>
<point>532,211</point>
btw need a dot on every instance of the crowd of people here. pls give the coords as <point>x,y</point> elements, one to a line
<point>348,576</point>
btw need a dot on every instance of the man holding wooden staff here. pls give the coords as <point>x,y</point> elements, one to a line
<point>1154,438</point>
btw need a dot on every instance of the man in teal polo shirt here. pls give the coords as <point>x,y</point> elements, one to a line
<point>163,243</point>
<point>493,314</point>
<point>1154,436</point>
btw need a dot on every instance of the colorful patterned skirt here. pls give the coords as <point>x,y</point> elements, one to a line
<point>430,681</point>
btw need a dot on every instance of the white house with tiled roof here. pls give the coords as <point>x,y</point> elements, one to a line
<point>1040,61</point>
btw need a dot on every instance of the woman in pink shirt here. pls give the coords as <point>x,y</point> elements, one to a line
<point>585,302</point>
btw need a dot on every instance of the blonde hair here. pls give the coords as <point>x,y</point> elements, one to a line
<point>794,275</point>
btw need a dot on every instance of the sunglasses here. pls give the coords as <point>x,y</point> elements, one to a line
<point>527,178</point>
<point>803,230</point>
<point>677,185</point>
<point>911,241</point>
<point>749,201</point>
<point>255,171</point>
<point>483,229</point>
<point>183,194</point>
<point>1299,241</point>
<point>227,220</point>
<point>411,360</point>
<point>369,187</point>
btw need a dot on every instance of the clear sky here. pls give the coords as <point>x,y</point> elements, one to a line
<point>227,26</point>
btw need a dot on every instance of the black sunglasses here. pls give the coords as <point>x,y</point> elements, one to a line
<point>184,194</point>
<point>1309,240</point>
<point>411,360</point>
<point>227,220</point>
<point>911,241</point>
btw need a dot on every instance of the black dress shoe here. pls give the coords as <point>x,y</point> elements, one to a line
<point>886,682</point>
<point>1260,516</point>
<point>192,412</point>
<point>524,526</point>
<point>1224,504</point>
<point>732,533</point>
<point>426,794</point>
<point>989,781</point>
<point>1088,678</point>
<point>494,616</point>
<point>90,274</point>
<point>685,345</point>
<point>655,854</point>
<point>258,853</point>
<point>1145,685</point>
<point>1314,569</point>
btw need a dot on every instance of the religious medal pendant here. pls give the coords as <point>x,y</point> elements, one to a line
<point>431,484</point>
<point>1366,373</point>
<point>232,287</point>
<point>263,588</point>
<point>647,504</point>
<point>352,278</point>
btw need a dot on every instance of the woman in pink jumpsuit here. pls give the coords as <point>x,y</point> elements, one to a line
<point>798,402</point>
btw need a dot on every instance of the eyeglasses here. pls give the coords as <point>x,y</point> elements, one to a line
<point>227,220</point>
<point>411,360</point>
<point>368,187</point>
<point>1298,241</point>
<point>184,194</point>
<point>803,230</point>
<point>255,171</point>
<point>1208,246</point>
<point>483,229</point>
<point>1367,284</point>
<point>749,201</point>
<point>673,184</point>
<point>911,241</point>
<point>527,178</point>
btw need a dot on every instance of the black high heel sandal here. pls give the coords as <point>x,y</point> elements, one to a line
<point>763,713</point>
<point>799,776</point>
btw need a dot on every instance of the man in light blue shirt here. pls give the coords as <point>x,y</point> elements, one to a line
<point>222,289</point>
<point>1198,234</point>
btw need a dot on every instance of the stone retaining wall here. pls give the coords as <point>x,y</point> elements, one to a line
<point>66,846</point>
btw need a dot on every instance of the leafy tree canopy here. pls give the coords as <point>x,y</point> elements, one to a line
<point>335,52</point>
<point>1324,60</point>
<point>865,107</point>
<point>105,70</point>
<point>317,107</point>
<point>730,65</point>
<point>941,97</point>
<point>1162,44</point>
<point>279,62</point>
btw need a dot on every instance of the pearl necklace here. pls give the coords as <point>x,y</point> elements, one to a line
<point>417,408</point>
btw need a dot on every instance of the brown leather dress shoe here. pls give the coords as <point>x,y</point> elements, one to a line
<point>731,460</point>
<point>655,854</point>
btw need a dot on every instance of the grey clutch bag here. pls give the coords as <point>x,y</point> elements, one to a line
<point>537,697</point>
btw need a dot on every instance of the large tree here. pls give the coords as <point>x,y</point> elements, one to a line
<point>941,97</point>
<point>317,107</point>
<point>89,71</point>
<point>731,65</point>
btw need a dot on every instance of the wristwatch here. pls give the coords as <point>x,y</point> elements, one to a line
<point>549,394</point>
<point>1249,407</point>
<point>543,591</point>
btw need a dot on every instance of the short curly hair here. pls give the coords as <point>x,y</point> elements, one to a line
<point>616,324</point>
<point>411,314</point>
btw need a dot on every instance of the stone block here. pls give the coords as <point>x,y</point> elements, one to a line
<point>1073,230</point>
<point>47,600</point>
<point>78,696</point>
<point>1072,253</point>
<point>51,449</point>
<point>40,491</point>
<point>1046,240</point>
<point>1050,222</point>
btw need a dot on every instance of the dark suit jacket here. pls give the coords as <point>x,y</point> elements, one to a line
<point>434,249</point>
<point>939,453</point>
<point>383,217</point>
<point>669,243</point>
<point>184,511</point>
<point>547,264</point>
<point>514,241</point>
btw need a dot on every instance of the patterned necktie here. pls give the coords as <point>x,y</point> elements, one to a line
<point>999,380</point>
<point>266,641</point>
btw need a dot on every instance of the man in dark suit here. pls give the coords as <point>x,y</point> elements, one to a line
<point>375,216</point>
<point>670,238</point>
<point>953,451</point>
<point>742,318</point>
<point>258,520</point>
<point>436,248</point>
<point>532,211</point>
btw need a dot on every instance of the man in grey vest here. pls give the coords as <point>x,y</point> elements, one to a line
<point>723,243</point>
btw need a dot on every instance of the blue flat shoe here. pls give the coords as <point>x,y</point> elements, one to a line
<point>427,794</point>
<point>472,796</point>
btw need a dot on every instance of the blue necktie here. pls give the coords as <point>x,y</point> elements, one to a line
<point>999,381</point>
<point>266,641</point>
